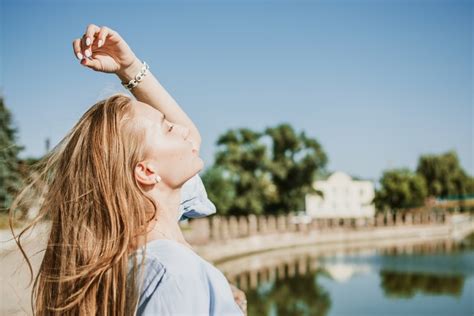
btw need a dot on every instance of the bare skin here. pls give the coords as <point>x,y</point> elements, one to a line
<point>104,50</point>
<point>175,140</point>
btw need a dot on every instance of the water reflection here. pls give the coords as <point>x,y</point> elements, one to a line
<point>342,272</point>
<point>311,280</point>
<point>403,284</point>
<point>451,282</point>
<point>298,295</point>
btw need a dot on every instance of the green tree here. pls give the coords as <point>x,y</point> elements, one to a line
<point>400,189</point>
<point>242,161</point>
<point>266,172</point>
<point>444,175</point>
<point>220,189</point>
<point>295,163</point>
<point>10,176</point>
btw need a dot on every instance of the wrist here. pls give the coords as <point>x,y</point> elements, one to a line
<point>128,73</point>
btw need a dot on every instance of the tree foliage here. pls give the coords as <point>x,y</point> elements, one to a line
<point>220,189</point>
<point>438,176</point>
<point>400,189</point>
<point>444,175</point>
<point>267,172</point>
<point>296,161</point>
<point>10,176</point>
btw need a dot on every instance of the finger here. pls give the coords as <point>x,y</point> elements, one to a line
<point>86,51</point>
<point>91,31</point>
<point>76,46</point>
<point>102,36</point>
<point>88,38</point>
<point>90,63</point>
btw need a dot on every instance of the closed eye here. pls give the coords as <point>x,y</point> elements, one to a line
<point>167,122</point>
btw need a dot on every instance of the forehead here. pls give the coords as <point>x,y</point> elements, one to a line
<point>144,110</point>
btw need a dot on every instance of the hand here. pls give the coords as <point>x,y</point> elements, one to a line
<point>239,298</point>
<point>103,49</point>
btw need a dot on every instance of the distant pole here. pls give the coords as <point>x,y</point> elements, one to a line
<point>47,143</point>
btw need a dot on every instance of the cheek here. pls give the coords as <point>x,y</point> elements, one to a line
<point>177,164</point>
<point>172,154</point>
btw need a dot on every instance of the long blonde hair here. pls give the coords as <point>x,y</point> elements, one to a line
<point>85,187</point>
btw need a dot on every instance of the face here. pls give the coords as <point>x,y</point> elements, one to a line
<point>170,153</point>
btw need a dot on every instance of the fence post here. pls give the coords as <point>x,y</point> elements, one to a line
<point>233,227</point>
<point>243,226</point>
<point>380,220</point>
<point>215,227</point>
<point>253,229</point>
<point>291,227</point>
<point>272,224</point>
<point>225,234</point>
<point>262,224</point>
<point>281,223</point>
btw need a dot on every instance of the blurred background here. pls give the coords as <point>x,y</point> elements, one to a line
<point>337,138</point>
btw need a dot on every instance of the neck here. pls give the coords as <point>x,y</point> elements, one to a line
<point>165,225</point>
<point>166,221</point>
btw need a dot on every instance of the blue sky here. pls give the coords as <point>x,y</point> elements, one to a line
<point>377,83</point>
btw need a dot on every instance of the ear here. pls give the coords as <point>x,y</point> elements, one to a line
<point>145,173</point>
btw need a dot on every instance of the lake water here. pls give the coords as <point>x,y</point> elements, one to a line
<point>434,279</point>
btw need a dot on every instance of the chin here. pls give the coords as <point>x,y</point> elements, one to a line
<point>202,166</point>
<point>197,167</point>
<point>201,162</point>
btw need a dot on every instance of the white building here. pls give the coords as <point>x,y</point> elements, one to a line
<point>343,198</point>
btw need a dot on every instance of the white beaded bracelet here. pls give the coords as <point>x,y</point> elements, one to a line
<point>139,77</point>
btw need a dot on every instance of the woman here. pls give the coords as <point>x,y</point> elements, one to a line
<point>112,189</point>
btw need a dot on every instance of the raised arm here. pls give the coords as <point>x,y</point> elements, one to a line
<point>103,49</point>
<point>150,91</point>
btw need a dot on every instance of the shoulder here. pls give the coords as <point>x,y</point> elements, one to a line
<point>168,257</point>
<point>177,258</point>
<point>176,295</point>
<point>174,282</point>
<point>165,259</point>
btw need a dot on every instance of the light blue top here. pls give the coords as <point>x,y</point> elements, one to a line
<point>194,201</point>
<point>177,281</point>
